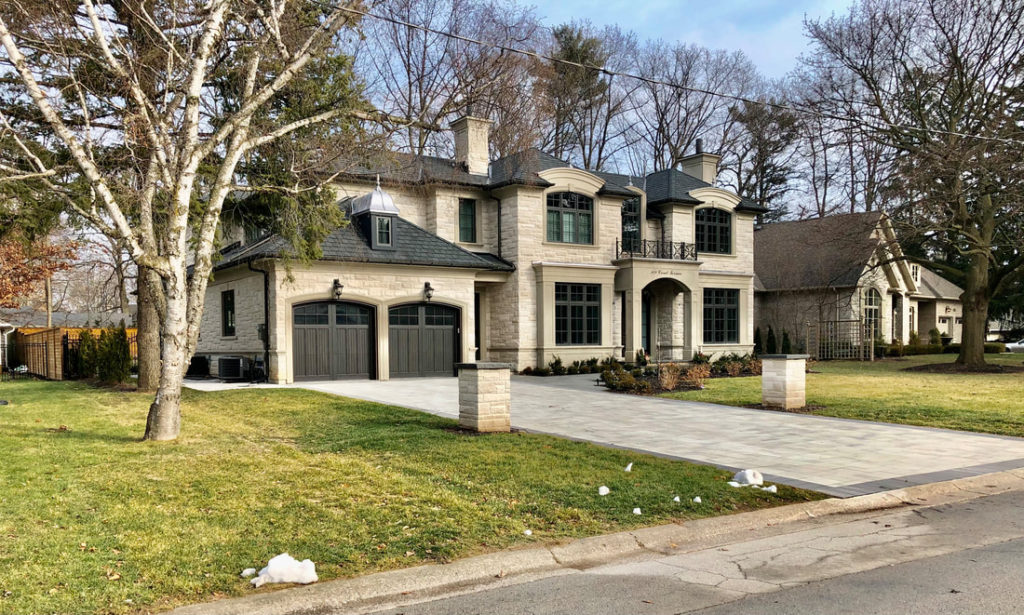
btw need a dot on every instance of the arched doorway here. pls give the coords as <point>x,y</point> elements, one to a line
<point>423,340</point>
<point>333,340</point>
<point>666,316</point>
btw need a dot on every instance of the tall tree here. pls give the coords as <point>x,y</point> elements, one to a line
<point>24,266</point>
<point>195,140</point>
<point>939,81</point>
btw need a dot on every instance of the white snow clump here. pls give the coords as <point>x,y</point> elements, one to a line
<point>629,468</point>
<point>286,569</point>
<point>696,500</point>
<point>248,572</point>
<point>636,511</point>
<point>749,477</point>
<point>602,490</point>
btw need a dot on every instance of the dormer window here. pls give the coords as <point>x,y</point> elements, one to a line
<point>570,218</point>
<point>383,224</point>
<point>915,272</point>
<point>714,231</point>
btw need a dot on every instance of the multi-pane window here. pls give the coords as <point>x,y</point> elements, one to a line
<point>570,218</point>
<point>577,314</point>
<point>408,316</point>
<point>721,316</point>
<point>872,312</point>
<point>227,313</point>
<point>714,231</point>
<point>467,220</point>
<point>351,314</point>
<point>313,314</point>
<point>631,225</point>
<point>383,231</point>
<point>438,316</point>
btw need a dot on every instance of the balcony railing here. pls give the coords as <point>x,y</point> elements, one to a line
<point>670,250</point>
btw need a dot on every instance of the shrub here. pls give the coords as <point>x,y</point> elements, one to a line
<point>990,348</point>
<point>584,368</point>
<point>915,339</point>
<point>701,359</point>
<point>642,357</point>
<point>771,346</point>
<point>88,351</point>
<point>556,366</point>
<point>618,379</point>
<point>526,371</point>
<point>637,372</point>
<point>934,336</point>
<point>542,371</point>
<point>733,368</point>
<point>115,358</point>
<point>758,348</point>
<point>755,367</point>
<point>695,377</point>
<point>668,377</point>
<point>923,349</point>
<point>592,362</point>
<point>572,370</point>
<point>787,346</point>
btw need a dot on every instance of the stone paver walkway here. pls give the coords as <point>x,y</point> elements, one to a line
<point>838,456</point>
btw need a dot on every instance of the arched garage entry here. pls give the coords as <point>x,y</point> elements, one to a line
<point>332,340</point>
<point>423,339</point>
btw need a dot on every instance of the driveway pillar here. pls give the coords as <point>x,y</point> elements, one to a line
<point>783,380</point>
<point>485,396</point>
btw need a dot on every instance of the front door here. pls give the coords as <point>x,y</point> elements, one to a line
<point>423,340</point>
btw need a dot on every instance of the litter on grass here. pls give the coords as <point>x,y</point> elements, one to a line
<point>770,489</point>
<point>602,490</point>
<point>528,532</point>
<point>696,500</point>
<point>675,499</point>
<point>636,511</point>
<point>286,569</point>
<point>749,477</point>
<point>733,483</point>
<point>629,468</point>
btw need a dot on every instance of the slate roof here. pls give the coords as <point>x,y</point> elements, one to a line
<point>829,252</point>
<point>674,186</point>
<point>935,286</point>
<point>29,318</point>
<point>412,246</point>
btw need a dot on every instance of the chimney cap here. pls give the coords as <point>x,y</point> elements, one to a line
<point>700,146</point>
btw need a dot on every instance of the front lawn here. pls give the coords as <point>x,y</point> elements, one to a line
<point>882,391</point>
<point>95,521</point>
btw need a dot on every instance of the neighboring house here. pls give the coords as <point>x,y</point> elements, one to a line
<point>6,329</point>
<point>27,320</point>
<point>518,260</point>
<point>833,275</point>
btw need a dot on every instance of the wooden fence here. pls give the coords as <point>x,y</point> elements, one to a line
<point>52,353</point>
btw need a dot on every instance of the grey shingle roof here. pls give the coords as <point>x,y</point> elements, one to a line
<point>394,167</point>
<point>412,246</point>
<point>674,186</point>
<point>817,253</point>
<point>935,286</point>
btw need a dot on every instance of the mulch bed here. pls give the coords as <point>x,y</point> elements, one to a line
<point>953,368</point>
<point>805,410</point>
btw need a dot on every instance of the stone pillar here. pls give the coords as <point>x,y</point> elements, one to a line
<point>485,396</point>
<point>783,380</point>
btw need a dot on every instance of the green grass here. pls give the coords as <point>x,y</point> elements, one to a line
<point>882,391</point>
<point>91,518</point>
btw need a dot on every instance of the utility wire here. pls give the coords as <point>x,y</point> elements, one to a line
<point>650,80</point>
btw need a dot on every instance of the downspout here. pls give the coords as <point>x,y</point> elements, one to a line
<point>266,318</point>
<point>499,229</point>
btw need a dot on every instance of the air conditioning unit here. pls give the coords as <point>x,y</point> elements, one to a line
<point>232,368</point>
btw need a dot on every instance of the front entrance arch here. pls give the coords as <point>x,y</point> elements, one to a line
<point>666,314</point>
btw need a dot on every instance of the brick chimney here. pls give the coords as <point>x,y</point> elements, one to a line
<point>472,146</point>
<point>701,165</point>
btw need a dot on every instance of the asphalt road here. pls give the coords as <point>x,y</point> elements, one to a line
<point>962,558</point>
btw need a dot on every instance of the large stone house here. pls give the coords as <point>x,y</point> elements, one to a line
<point>845,274</point>
<point>519,260</point>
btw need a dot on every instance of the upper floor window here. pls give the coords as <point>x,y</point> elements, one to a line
<point>227,313</point>
<point>631,225</point>
<point>570,218</point>
<point>467,220</point>
<point>383,231</point>
<point>872,311</point>
<point>714,231</point>
<point>915,272</point>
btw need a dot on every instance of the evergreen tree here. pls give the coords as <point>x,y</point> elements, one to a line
<point>772,346</point>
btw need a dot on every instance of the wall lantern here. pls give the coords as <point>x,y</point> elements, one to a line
<point>337,288</point>
<point>428,291</point>
<point>948,309</point>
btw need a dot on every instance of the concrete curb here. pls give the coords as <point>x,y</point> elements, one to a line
<point>673,538</point>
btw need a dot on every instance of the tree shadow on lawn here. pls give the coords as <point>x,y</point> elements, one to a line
<point>48,433</point>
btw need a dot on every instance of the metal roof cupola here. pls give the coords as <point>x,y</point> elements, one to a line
<point>375,213</point>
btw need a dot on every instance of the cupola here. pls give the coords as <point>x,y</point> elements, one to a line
<point>376,212</point>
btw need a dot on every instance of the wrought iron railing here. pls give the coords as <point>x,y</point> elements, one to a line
<point>646,248</point>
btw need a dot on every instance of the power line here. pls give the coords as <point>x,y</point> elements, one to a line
<point>650,80</point>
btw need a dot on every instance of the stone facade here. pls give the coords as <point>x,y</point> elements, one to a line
<point>485,397</point>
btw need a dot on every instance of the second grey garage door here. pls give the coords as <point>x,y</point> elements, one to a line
<point>332,341</point>
<point>423,340</point>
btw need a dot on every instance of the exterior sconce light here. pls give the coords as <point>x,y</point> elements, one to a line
<point>948,309</point>
<point>337,288</point>
<point>428,291</point>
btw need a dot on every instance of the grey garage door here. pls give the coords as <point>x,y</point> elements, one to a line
<point>332,341</point>
<point>423,340</point>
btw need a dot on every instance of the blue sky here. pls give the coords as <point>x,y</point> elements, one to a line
<point>769,31</point>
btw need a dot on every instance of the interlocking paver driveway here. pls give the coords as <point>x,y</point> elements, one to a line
<point>837,456</point>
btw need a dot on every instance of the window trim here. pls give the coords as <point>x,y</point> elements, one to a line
<point>475,226</point>
<point>565,211</point>
<point>228,322</point>
<point>726,227</point>
<point>638,215</point>
<point>736,308</point>
<point>588,336</point>
<point>375,228</point>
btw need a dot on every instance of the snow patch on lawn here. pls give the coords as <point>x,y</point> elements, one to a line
<point>286,569</point>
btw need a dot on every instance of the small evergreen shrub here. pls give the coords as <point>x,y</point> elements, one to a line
<point>772,345</point>
<point>787,345</point>
<point>758,348</point>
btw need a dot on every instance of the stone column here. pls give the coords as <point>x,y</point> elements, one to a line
<point>485,396</point>
<point>783,380</point>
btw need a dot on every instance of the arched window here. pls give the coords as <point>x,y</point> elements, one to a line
<point>872,312</point>
<point>714,231</point>
<point>570,218</point>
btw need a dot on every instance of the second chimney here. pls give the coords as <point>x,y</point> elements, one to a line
<point>701,165</point>
<point>472,146</point>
